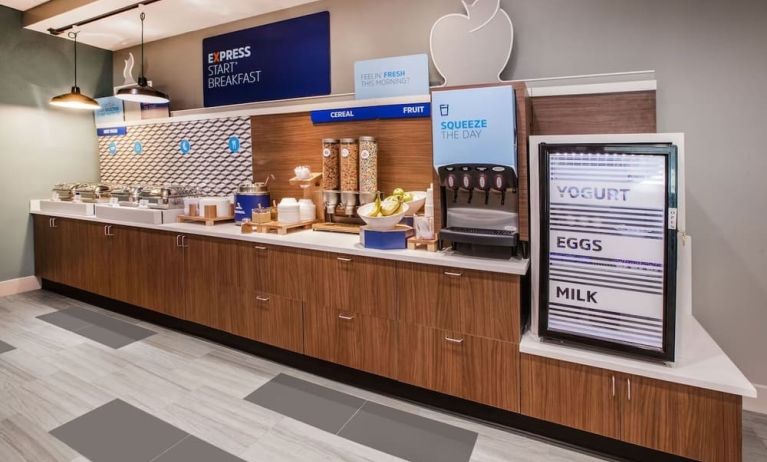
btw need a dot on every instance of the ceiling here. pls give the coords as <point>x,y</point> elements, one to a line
<point>164,18</point>
<point>22,5</point>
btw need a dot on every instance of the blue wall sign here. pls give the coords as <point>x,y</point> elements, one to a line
<point>112,148</point>
<point>286,59</point>
<point>476,125</point>
<point>397,76</point>
<point>234,144</point>
<point>391,111</point>
<point>185,146</point>
<point>137,147</point>
<point>112,131</point>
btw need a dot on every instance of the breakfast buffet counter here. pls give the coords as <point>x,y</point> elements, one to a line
<point>321,241</point>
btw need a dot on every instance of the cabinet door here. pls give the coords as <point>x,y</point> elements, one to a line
<point>473,368</point>
<point>569,394</point>
<point>358,284</point>
<point>275,270</point>
<point>690,422</point>
<point>161,273</point>
<point>125,264</point>
<point>210,278</point>
<point>362,342</point>
<point>479,303</point>
<point>270,319</point>
<point>88,254</point>
<point>49,249</point>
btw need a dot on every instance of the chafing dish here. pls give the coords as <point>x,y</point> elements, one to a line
<point>94,192</point>
<point>166,197</point>
<point>127,195</point>
<point>65,191</point>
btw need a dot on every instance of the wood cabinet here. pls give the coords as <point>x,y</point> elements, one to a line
<point>356,340</point>
<point>686,421</point>
<point>569,394</point>
<point>160,273</point>
<point>275,270</point>
<point>270,319</point>
<point>475,302</point>
<point>474,368</point>
<point>691,422</point>
<point>357,285</point>
<point>210,278</point>
<point>50,248</point>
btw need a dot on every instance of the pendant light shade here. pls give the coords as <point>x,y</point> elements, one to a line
<point>74,99</point>
<point>142,92</point>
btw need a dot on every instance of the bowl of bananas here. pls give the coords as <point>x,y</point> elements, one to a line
<point>383,214</point>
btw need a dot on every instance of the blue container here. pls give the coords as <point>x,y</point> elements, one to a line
<point>245,202</point>
<point>386,240</point>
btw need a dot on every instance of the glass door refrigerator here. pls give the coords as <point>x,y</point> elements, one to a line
<point>608,246</point>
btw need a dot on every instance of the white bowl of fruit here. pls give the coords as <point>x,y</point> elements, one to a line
<point>383,215</point>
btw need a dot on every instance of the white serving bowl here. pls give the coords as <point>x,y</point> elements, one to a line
<point>381,223</point>
<point>419,198</point>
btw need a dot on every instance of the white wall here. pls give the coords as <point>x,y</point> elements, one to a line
<point>711,62</point>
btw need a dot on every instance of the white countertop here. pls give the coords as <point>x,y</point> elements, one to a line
<point>700,362</point>
<point>348,244</point>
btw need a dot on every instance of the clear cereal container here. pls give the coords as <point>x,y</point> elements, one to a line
<point>368,149</point>
<point>330,176</point>
<point>349,152</point>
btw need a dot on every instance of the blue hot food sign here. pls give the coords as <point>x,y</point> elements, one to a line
<point>286,59</point>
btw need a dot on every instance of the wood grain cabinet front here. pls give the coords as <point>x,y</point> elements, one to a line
<point>569,394</point>
<point>276,270</point>
<point>50,239</point>
<point>474,368</point>
<point>270,319</point>
<point>353,339</point>
<point>476,302</point>
<point>357,284</point>
<point>160,272</point>
<point>686,421</point>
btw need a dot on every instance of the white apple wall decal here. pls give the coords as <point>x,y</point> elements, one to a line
<point>473,48</point>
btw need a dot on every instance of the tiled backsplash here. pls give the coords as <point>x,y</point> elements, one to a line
<point>197,152</point>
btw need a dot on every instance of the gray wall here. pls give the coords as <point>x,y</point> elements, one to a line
<point>711,63</point>
<point>40,145</point>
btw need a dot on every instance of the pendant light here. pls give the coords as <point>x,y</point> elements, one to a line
<point>142,92</point>
<point>74,99</point>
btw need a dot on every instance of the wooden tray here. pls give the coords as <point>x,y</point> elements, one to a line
<point>207,221</point>
<point>280,228</point>
<point>430,244</point>
<point>347,228</point>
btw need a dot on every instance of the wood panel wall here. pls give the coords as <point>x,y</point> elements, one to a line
<point>283,141</point>
<point>629,112</point>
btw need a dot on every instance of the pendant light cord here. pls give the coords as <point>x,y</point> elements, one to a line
<point>73,36</point>
<point>142,16</point>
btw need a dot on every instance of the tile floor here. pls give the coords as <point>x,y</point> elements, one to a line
<point>195,400</point>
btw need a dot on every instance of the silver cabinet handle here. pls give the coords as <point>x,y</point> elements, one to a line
<point>343,259</point>
<point>178,240</point>
<point>262,299</point>
<point>105,230</point>
<point>260,247</point>
<point>453,275</point>
<point>108,231</point>
<point>628,382</point>
<point>345,317</point>
<point>53,223</point>
<point>613,378</point>
<point>50,222</point>
<point>454,340</point>
<point>183,242</point>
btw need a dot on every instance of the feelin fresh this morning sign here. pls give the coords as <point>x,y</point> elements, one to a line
<point>475,125</point>
<point>286,59</point>
<point>397,76</point>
